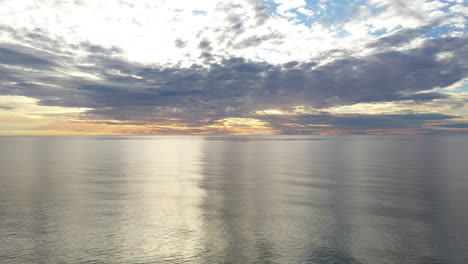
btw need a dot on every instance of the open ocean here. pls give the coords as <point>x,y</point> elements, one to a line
<point>234,199</point>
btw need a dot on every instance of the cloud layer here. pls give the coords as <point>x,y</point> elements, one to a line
<point>245,75</point>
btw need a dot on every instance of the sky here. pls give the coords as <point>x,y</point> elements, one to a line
<point>234,67</point>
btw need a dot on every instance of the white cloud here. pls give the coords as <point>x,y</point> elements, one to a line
<point>460,9</point>
<point>148,30</point>
<point>305,11</point>
<point>287,5</point>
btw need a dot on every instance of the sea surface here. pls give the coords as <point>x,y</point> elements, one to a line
<point>228,199</point>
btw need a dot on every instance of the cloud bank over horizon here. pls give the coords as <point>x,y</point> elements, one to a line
<point>233,67</point>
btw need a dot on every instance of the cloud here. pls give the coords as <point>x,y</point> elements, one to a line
<point>354,123</point>
<point>180,43</point>
<point>261,12</point>
<point>6,107</point>
<point>205,45</point>
<point>23,56</point>
<point>461,125</point>
<point>234,60</point>
<point>400,37</point>
<point>256,40</point>
<point>239,83</point>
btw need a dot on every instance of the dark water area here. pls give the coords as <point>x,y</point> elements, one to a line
<point>221,199</point>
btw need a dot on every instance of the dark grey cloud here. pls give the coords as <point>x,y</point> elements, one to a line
<point>15,55</point>
<point>236,23</point>
<point>353,123</point>
<point>399,37</point>
<point>180,43</point>
<point>97,49</point>
<point>405,36</point>
<point>38,39</point>
<point>459,125</point>
<point>262,13</point>
<point>425,96</point>
<point>379,77</point>
<point>205,45</point>
<point>255,41</point>
<point>232,87</point>
<point>4,107</point>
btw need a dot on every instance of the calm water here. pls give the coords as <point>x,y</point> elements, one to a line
<point>272,199</point>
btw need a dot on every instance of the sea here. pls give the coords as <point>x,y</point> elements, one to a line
<point>373,199</point>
